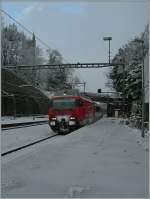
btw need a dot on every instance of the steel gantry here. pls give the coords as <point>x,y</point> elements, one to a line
<point>73,65</point>
<point>63,66</point>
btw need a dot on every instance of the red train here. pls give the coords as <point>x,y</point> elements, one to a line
<point>67,113</point>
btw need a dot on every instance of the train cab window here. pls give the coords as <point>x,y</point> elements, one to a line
<point>65,103</point>
<point>98,109</point>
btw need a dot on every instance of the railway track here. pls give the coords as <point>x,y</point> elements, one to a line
<point>27,145</point>
<point>22,125</point>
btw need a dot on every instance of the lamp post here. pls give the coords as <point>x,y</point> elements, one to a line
<point>143,94</point>
<point>84,83</point>
<point>108,39</point>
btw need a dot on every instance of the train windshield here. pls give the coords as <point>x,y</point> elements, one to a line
<point>64,103</point>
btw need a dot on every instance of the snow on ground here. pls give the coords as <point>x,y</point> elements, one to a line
<point>99,160</point>
<point>144,142</point>
<point>14,138</point>
<point>10,119</point>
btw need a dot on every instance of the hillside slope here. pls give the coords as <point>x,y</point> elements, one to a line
<point>18,97</point>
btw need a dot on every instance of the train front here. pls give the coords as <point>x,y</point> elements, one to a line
<point>63,114</point>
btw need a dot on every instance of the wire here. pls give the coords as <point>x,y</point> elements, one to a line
<point>29,31</point>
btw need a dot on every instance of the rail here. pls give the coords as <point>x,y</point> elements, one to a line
<point>22,125</point>
<point>27,145</point>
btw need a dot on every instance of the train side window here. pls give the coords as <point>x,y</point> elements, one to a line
<point>98,109</point>
<point>50,103</point>
<point>79,103</point>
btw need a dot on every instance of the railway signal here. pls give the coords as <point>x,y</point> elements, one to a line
<point>99,90</point>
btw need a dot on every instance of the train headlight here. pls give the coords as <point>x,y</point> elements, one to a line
<point>53,118</point>
<point>71,123</point>
<point>52,123</point>
<point>72,118</point>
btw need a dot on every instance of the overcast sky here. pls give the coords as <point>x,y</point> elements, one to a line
<point>77,28</point>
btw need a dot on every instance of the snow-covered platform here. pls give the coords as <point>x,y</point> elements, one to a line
<point>105,159</point>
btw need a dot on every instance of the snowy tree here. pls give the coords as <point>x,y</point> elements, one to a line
<point>11,45</point>
<point>128,81</point>
<point>56,78</point>
<point>18,50</point>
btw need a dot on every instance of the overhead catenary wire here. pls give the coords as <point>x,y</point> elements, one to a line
<point>29,31</point>
<point>21,25</point>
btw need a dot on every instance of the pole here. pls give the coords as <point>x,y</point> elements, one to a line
<point>34,59</point>
<point>123,88</point>
<point>14,102</point>
<point>84,86</point>
<point>143,88</point>
<point>108,39</point>
<point>143,94</point>
<point>109,51</point>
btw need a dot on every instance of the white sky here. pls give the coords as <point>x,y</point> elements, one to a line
<point>77,28</point>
